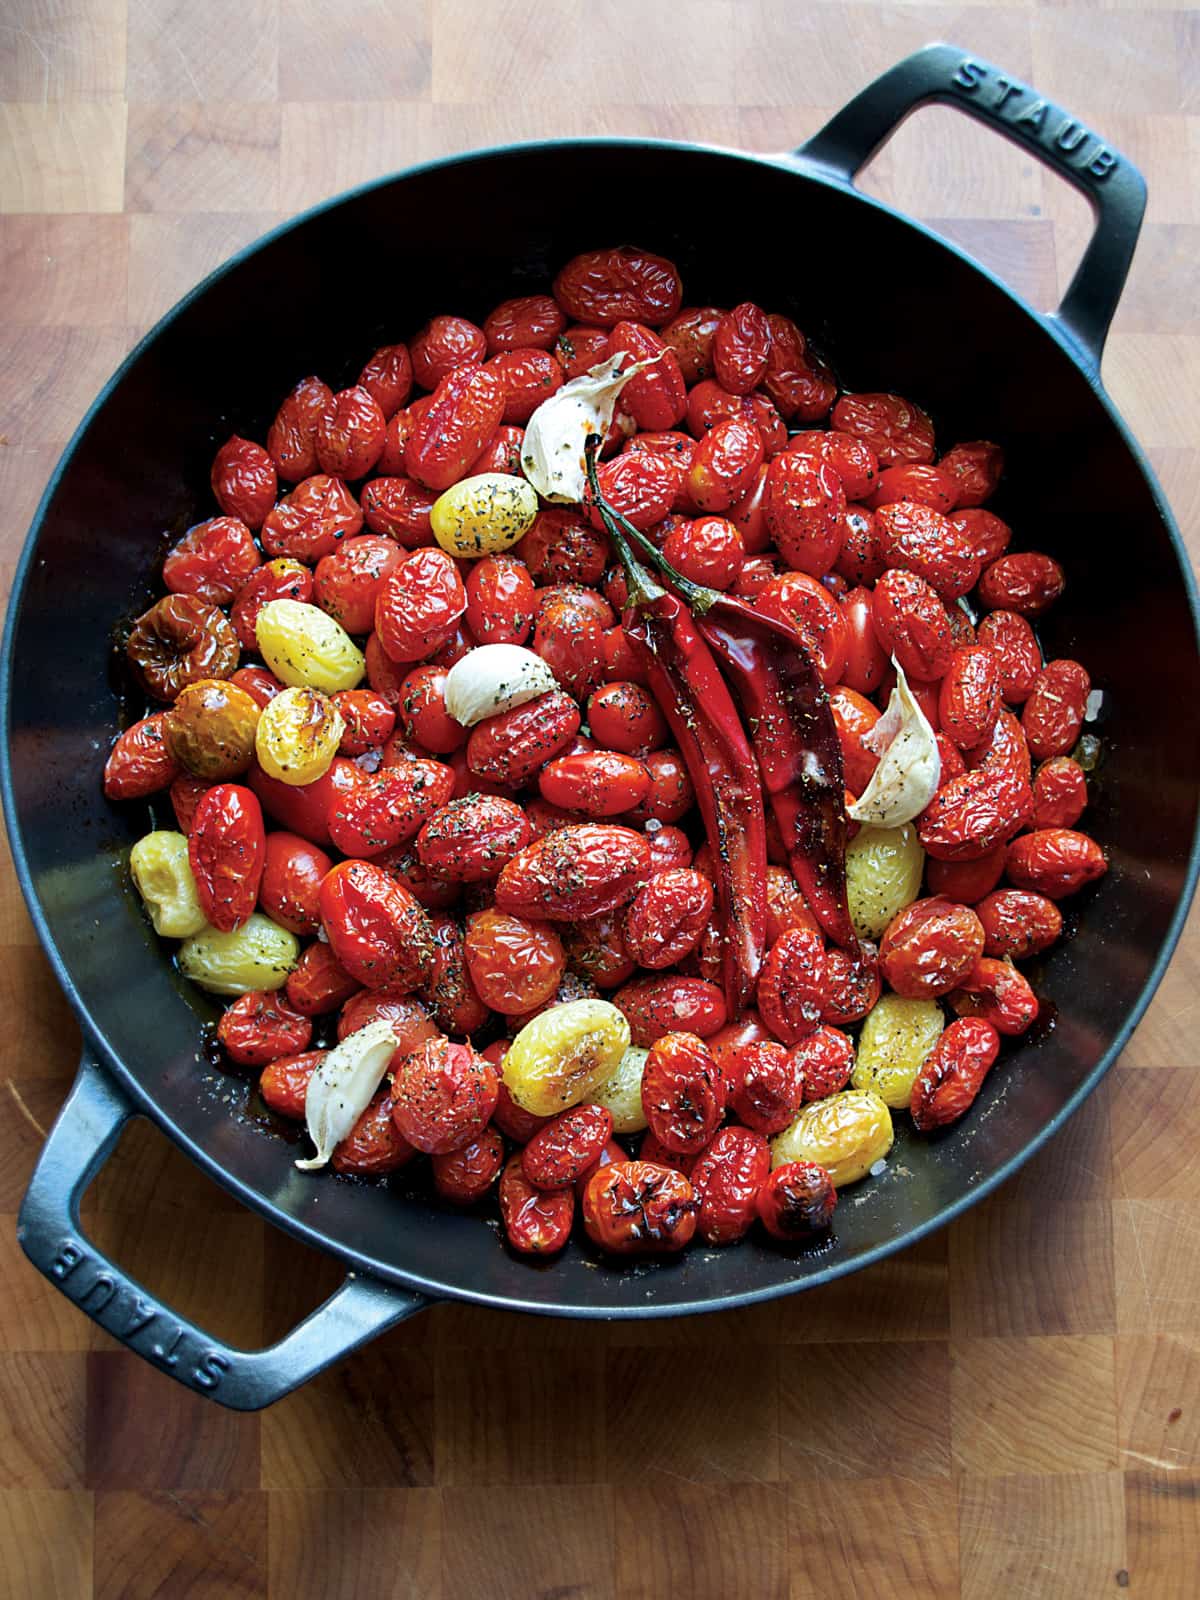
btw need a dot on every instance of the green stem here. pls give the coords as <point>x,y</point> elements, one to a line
<point>699,598</point>
<point>642,588</point>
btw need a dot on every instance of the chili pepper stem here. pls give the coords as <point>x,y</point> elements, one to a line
<point>642,588</point>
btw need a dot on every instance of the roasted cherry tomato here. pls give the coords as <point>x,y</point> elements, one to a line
<point>825,1061</point>
<point>1018,923</point>
<point>260,1026</point>
<point>930,947</point>
<point>581,870</point>
<point>768,1085</point>
<point>465,1175</point>
<point>796,1201</point>
<point>312,521</point>
<point>896,430</point>
<point>515,963</point>
<point>1028,583</point>
<point>605,287</point>
<point>1060,793</point>
<point>350,434</point>
<point>284,1083</point>
<point>377,930</point>
<point>997,992</point>
<point>212,560</point>
<point>918,539</point>
<point>953,1072</point>
<point>799,600</point>
<point>318,983</point>
<point>418,605</point>
<point>244,481</point>
<point>536,1221</point>
<point>683,1092</point>
<point>227,851</point>
<point>443,344</point>
<point>292,439</point>
<point>443,1096</point>
<point>566,1147</point>
<point>140,763</point>
<point>727,1178</point>
<point>180,640</point>
<point>466,410</point>
<point>792,985</point>
<point>667,917</point>
<point>293,872</point>
<point>668,1004</point>
<point>374,1146</point>
<point>1056,862</point>
<point>510,748</point>
<point>639,1208</point>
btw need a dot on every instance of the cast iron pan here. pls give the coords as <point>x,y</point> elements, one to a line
<point>893,307</point>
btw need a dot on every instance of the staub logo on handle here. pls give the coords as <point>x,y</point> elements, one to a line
<point>125,1313</point>
<point>1019,105</point>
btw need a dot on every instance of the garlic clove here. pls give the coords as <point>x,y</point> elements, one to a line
<point>341,1088</point>
<point>910,765</point>
<point>493,678</point>
<point>552,452</point>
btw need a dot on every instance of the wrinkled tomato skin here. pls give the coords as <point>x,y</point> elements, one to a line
<point>318,983</point>
<point>595,947</point>
<point>966,881</point>
<point>293,871</point>
<point>312,521</point>
<point>284,579</point>
<point>180,640</point>
<point>860,558</point>
<point>1018,923</point>
<point>670,796</point>
<point>579,349</point>
<point>262,686</point>
<point>186,794</point>
<point>470,839</point>
<point>564,1149</point>
<point>389,807</point>
<point>796,1201</point>
<point>792,985</point>
<point>578,871</point>
<point>464,1176</point>
<point>467,408</point>
<point>1056,862</point>
<point>974,471</point>
<point>1027,582</point>
<point>1052,718</point>
<point>408,1019</point>
<point>528,322</point>
<point>918,539</point>
<point>226,851</point>
<point>526,378</point>
<point>1060,793</point>
<point>654,1007</point>
<point>803,603</point>
<point>604,287</point>
<point>369,720</point>
<point>570,640</point>
<point>918,484</point>
<point>741,348</point>
<point>139,762</point>
<point>347,582</point>
<point>244,481</point>
<point>667,917</point>
<point>350,434</point>
<point>988,536</point>
<point>1014,646</point>
<point>953,1073</point>
<point>997,992</point>
<point>799,383</point>
<point>305,808</point>
<point>657,397</point>
<point>895,429</point>
<point>768,1086</point>
<point>1005,751</point>
<point>725,465</point>
<point>969,698</point>
<point>639,1208</point>
<point>911,623</point>
<point>690,335</point>
<point>853,461</point>
<point>510,748</point>
<point>418,605</point>
<point>974,813</point>
<point>804,504</point>
<point>727,1178</point>
<point>515,964</point>
<point>851,987</point>
<point>212,560</point>
<point>640,486</point>
<point>443,344</point>
<point>397,508</point>
<point>709,551</point>
<point>535,1222</point>
<point>443,1096</point>
<point>259,1027</point>
<point>930,947</point>
<point>387,378</point>
<point>561,548</point>
<point>683,1093</point>
<point>449,989</point>
<point>623,716</point>
<point>786,905</point>
<point>284,1082</point>
<point>377,930</point>
<point>669,848</point>
<point>825,1061</point>
<point>292,439</point>
<point>374,1146</point>
<point>423,715</point>
<point>500,600</point>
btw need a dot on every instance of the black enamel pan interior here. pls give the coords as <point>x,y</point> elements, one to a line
<point>893,308</point>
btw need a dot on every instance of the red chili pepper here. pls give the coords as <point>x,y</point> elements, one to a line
<point>695,700</point>
<point>795,738</point>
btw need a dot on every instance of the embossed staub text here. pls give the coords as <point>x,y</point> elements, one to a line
<point>129,1315</point>
<point>1020,106</point>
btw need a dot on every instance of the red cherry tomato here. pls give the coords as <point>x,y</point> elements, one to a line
<point>418,605</point>
<point>377,930</point>
<point>227,850</point>
<point>443,1096</point>
<point>244,481</point>
<point>293,871</point>
<point>536,1222</point>
<point>347,582</point>
<point>292,439</point>
<point>639,1208</point>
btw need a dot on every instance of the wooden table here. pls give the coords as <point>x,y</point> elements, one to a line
<point>1012,1409</point>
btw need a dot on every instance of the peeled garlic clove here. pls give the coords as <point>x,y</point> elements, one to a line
<point>552,452</point>
<point>341,1088</point>
<point>493,678</point>
<point>910,766</point>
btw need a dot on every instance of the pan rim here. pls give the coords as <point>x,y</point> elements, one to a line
<point>794,165</point>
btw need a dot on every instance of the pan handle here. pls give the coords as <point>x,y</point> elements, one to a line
<point>1113,186</point>
<point>49,1231</point>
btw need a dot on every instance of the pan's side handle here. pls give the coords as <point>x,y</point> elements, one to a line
<point>49,1231</point>
<point>1113,186</point>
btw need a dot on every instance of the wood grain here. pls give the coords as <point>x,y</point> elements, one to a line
<point>1010,1408</point>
